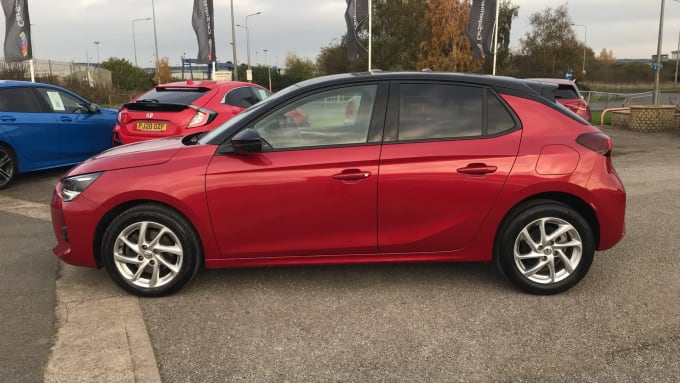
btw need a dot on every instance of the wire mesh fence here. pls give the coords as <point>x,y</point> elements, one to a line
<point>60,71</point>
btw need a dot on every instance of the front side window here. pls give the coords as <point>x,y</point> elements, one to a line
<point>61,102</point>
<point>335,117</point>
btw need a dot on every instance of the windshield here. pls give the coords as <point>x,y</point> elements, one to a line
<point>254,109</point>
<point>173,95</point>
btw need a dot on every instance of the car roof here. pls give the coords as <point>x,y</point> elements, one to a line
<point>209,84</point>
<point>14,83</point>
<point>559,81</point>
<point>511,84</point>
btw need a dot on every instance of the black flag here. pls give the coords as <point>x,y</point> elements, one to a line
<point>480,27</point>
<point>204,25</point>
<point>357,11</point>
<point>18,45</point>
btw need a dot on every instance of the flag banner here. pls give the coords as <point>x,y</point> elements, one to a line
<point>480,27</point>
<point>203,22</point>
<point>357,11</point>
<point>18,45</point>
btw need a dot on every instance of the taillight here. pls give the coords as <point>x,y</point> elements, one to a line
<point>598,142</point>
<point>123,117</point>
<point>202,117</point>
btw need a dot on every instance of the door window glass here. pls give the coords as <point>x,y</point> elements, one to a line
<point>241,97</point>
<point>334,117</point>
<point>498,118</point>
<point>19,100</point>
<point>436,111</point>
<point>61,102</point>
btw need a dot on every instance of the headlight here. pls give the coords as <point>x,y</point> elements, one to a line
<point>72,187</point>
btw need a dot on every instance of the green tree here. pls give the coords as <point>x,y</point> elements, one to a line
<point>299,69</point>
<point>126,76</point>
<point>398,29</point>
<point>506,13</point>
<point>550,47</point>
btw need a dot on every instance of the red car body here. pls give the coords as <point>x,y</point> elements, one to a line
<point>389,199</point>
<point>185,107</point>
<point>567,94</point>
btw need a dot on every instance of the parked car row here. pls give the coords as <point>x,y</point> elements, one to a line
<point>45,126</point>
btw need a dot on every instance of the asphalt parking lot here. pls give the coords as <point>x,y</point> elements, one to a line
<point>415,322</point>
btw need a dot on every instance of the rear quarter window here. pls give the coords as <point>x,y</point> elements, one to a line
<point>566,91</point>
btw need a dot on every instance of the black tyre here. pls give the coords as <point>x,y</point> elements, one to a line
<point>151,250</point>
<point>544,247</point>
<point>8,165</point>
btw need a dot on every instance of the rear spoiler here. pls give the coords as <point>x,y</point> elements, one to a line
<point>155,106</point>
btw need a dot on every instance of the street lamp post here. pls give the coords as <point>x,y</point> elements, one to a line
<point>677,59</point>
<point>585,43</point>
<point>248,35</point>
<point>134,42</point>
<point>657,73</point>
<point>97,44</point>
<point>233,41</point>
<point>269,71</point>
<point>155,42</point>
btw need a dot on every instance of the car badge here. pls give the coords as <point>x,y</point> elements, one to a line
<point>149,115</point>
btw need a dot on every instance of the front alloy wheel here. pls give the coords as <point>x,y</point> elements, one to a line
<point>151,250</point>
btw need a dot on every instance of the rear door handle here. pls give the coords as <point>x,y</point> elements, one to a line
<point>352,175</point>
<point>477,169</point>
<point>65,119</point>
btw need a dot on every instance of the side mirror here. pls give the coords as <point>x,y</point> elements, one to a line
<point>92,108</point>
<point>247,141</point>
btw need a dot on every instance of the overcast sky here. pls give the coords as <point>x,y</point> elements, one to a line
<point>66,30</point>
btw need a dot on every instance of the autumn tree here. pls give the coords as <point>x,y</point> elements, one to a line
<point>550,47</point>
<point>448,48</point>
<point>165,72</point>
<point>605,56</point>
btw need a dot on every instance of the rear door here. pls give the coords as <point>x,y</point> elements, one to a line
<point>33,131</point>
<point>449,149</point>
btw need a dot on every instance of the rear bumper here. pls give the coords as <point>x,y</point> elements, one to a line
<point>609,204</point>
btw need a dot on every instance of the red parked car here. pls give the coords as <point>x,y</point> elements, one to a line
<point>185,107</point>
<point>567,94</point>
<point>434,167</point>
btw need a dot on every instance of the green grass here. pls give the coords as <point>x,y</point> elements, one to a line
<point>597,116</point>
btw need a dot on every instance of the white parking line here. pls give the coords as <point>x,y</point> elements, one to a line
<point>100,332</point>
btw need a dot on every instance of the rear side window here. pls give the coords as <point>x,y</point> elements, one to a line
<point>241,97</point>
<point>184,96</point>
<point>566,91</point>
<point>443,111</point>
<point>19,100</point>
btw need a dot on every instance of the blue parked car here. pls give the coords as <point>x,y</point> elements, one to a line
<point>45,126</point>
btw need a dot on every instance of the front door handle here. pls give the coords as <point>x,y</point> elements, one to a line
<point>65,119</point>
<point>7,119</point>
<point>352,175</point>
<point>477,169</point>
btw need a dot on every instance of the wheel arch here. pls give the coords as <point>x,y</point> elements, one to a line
<point>570,200</point>
<point>117,210</point>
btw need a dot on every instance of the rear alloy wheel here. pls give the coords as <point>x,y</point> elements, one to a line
<point>151,250</point>
<point>8,166</point>
<point>545,248</point>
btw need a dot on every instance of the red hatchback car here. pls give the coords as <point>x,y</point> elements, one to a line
<point>567,94</point>
<point>433,167</point>
<point>181,108</point>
